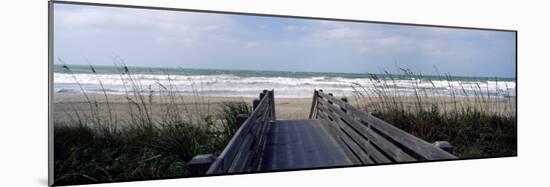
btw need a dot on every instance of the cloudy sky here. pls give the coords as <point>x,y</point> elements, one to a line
<point>160,38</point>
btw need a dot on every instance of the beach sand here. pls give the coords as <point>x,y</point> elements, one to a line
<point>285,108</point>
<point>66,104</point>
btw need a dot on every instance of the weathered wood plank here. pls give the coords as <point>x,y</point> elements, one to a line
<point>377,156</point>
<point>349,141</point>
<point>359,153</point>
<point>243,154</point>
<point>397,135</point>
<point>258,125</point>
<point>239,149</point>
<point>272,99</point>
<point>322,116</point>
<point>343,125</point>
<point>248,149</point>
<point>313,105</point>
<point>263,143</point>
<point>334,132</point>
<point>299,144</point>
<point>389,148</point>
<point>260,137</point>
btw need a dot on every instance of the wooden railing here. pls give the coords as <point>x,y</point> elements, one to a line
<point>244,151</point>
<point>368,139</point>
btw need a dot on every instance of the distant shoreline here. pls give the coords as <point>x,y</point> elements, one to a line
<point>161,70</point>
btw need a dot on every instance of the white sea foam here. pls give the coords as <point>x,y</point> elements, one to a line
<point>231,85</point>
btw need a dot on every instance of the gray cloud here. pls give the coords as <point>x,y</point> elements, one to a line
<point>205,40</point>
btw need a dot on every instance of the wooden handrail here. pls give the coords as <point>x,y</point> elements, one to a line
<point>313,105</point>
<point>369,138</point>
<point>244,150</point>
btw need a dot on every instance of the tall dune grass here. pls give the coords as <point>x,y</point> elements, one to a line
<point>100,146</point>
<point>477,123</point>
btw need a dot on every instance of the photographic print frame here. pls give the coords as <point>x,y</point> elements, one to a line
<point>316,94</point>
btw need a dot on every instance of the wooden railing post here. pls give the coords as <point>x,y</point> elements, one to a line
<point>255,103</point>
<point>198,165</point>
<point>445,145</point>
<point>313,104</point>
<point>273,104</point>
<point>343,107</point>
<point>345,99</point>
<point>263,94</point>
<point>240,119</point>
<point>329,101</point>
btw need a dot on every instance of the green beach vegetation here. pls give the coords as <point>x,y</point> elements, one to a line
<point>477,123</point>
<point>98,145</point>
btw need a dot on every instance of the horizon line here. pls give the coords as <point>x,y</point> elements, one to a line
<point>367,73</point>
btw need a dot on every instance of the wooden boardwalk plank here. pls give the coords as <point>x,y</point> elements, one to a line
<point>336,134</point>
<point>300,144</point>
<point>415,144</point>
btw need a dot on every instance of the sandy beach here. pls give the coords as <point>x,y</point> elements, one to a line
<point>286,108</point>
<point>66,104</point>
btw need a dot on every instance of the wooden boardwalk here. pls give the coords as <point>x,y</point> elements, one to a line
<point>299,144</point>
<point>336,134</point>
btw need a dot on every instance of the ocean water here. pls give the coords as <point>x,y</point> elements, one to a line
<point>246,83</point>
